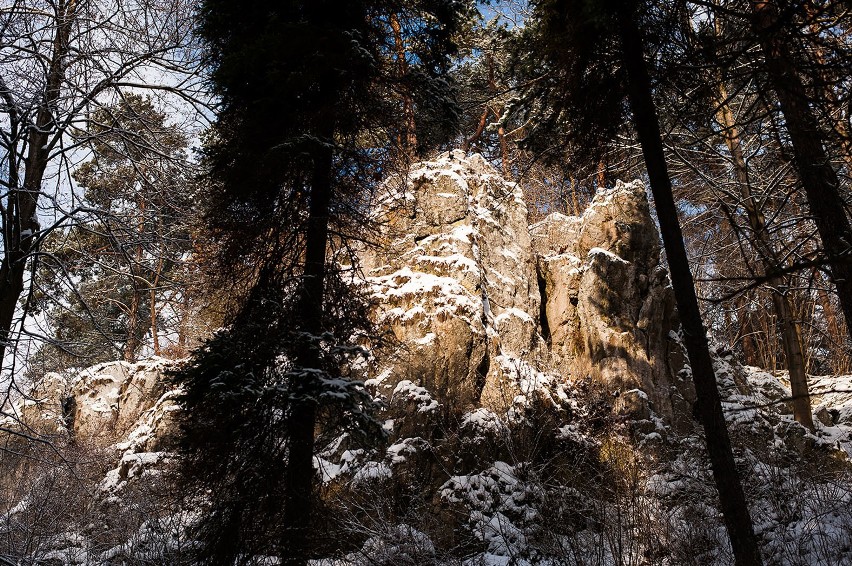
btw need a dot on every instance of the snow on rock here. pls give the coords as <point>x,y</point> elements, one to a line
<point>372,471</point>
<point>832,399</point>
<point>98,406</point>
<point>501,507</point>
<point>119,408</point>
<point>455,280</point>
<point>416,395</point>
<point>758,402</point>
<point>608,304</point>
<point>483,423</point>
<point>472,293</point>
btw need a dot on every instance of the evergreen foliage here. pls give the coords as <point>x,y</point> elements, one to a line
<point>240,387</point>
<point>99,279</point>
<point>311,103</point>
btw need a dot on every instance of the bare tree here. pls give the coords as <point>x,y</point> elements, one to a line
<point>60,61</point>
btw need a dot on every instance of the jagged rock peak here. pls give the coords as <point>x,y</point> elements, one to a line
<point>479,301</point>
<point>455,280</point>
<point>609,307</point>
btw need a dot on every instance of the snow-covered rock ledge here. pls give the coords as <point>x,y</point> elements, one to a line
<point>471,292</point>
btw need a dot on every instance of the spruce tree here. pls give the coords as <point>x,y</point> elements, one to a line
<point>310,119</point>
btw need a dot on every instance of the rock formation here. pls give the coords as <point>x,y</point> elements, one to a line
<point>99,405</point>
<point>455,279</point>
<point>609,308</point>
<point>491,449</point>
<point>119,409</point>
<point>487,313</point>
<point>482,304</point>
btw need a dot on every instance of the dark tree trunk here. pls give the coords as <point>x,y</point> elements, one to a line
<point>731,496</point>
<point>302,418</point>
<point>20,223</point>
<point>819,179</point>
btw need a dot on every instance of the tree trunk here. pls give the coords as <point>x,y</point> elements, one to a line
<point>302,418</point>
<point>155,336</point>
<point>819,179</point>
<point>791,340</point>
<point>504,149</point>
<point>731,496</point>
<point>746,332</point>
<point>132,344</point>
<point>840,356</point>
<point>20,222</point>
<point>791,335</point>
<point>574,201</point>
<point>131,347</point>
<point>409,145</point>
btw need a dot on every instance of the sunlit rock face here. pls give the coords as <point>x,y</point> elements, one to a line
<point>101,404</point>
<point>486,313</point>
<point>117,409</point>
<point>455,280</point>
<point>609,308</point>
<point>485,307</point>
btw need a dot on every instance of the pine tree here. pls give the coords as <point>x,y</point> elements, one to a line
<point>106,281</point>
<point>310,119</point>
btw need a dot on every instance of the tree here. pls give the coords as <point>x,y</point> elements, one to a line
<point>61,61</point>
<point>308,121</point>
<point>106,281</point>
<point>764,203</point>
<point>604,44</point>
<point>732,189</point>
<point>819,178</point>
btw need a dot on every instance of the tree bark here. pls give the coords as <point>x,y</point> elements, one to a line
<point>155,336</point>
<point>746,332</point>
<point>409,145</point>
<point>731,496</point>
<point>301,424</point>
<point>131,347</point>
<point>819,180</point>
<point>132,344</point>
<point>791,335</point>
<point>20,223</point>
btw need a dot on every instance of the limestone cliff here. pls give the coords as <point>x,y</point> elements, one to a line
<point>475,297</point>
<point>536,399</point>
<point>610,310</point>
<point>487,312</point>
<point>456,282</point>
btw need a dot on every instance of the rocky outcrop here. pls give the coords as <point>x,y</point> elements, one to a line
<point>454,278</point>
<point>118,409</point>
<point>609,308</point>
<point>477,299</point>
<point>486,312</point>
<point>98,406</point>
